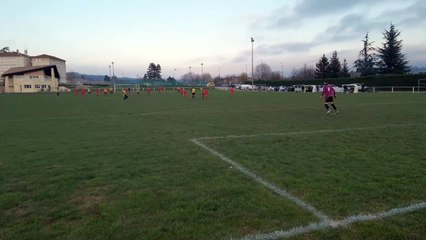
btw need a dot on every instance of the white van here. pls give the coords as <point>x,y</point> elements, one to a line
<point>353,87</point>
<point>336,88</point>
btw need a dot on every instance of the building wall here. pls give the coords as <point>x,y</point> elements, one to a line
<point>7,62</point>
<point>1,85</point>
<point>60,65</point>
<point>30,83</point>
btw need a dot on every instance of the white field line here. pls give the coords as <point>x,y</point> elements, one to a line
<point>326,221</point>
<point>297,231</point>
<point>312,131</point>
<point>265,183</point>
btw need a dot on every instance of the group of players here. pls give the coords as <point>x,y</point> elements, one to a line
<point>328,94</point>
<point>205,92</point>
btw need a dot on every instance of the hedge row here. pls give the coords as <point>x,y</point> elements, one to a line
<point>376,81</point>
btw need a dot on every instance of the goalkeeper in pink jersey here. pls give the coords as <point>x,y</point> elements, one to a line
<point>329,95</point>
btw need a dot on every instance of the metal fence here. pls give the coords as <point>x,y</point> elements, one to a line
<point>397,89</point>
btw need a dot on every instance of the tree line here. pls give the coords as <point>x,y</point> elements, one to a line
<point>387,59</point>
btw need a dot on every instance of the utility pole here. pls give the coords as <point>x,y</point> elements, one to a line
<point>252,75</point>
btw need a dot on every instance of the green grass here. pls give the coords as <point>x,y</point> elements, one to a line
<point>97,167</point>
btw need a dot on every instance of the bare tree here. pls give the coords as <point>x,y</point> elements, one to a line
<point>263,71</point>
<point>276,76</point>
<point>366,62</point>
<point>304,73</point>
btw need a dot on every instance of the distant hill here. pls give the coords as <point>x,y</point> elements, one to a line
<point>74,77</point>
<point>78,78</point>
<point>415,70</point>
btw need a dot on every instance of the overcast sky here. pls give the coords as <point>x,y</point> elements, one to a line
<point>90,34</point>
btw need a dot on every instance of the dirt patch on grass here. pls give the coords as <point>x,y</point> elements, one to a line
<point>18,211</point>
<point>87,201</point>
<point>88,198</point>
<point>245,230</point>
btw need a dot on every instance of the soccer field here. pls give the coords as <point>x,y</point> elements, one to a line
<point>248,166</point>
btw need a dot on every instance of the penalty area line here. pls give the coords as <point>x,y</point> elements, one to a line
<point>265,183</point>
<point>312,131</point>
<point>297,231</point>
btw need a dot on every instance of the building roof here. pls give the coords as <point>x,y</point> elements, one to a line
<point>12,54</point>
<point>22,70</point>
<point>47,56</point>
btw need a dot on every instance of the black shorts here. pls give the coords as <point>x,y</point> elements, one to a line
<point>329,100</point>
<point>193,94</point>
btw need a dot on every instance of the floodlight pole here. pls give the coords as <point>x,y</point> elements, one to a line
<point>110,80</point>
<point>202,78</point>
<point>113,74</point>
<point>112,63</point>
<point>252,76</point>
<point>190,75</point>
<point>282,71</point>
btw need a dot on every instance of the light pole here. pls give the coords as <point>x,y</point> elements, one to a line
<point>112,78</point>
<point>112,64</point>
<point>252,76</point>
<point>282,71</point>
<point>190,74</point>
<point>202,77</point>
<point>219,72</point>
<point>174,71</point>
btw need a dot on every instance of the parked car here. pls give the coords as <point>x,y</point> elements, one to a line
<point>270,89</point>
<point>282,89</point>
<point>352,87</point>
<point>298,88</point>
<point>246,87</point>
<point>336,88</point>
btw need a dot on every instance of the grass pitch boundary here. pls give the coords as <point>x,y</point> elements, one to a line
<point>311,131</point>
<point>318,226</point>
<point>326,222</point>
<point>264,182</point>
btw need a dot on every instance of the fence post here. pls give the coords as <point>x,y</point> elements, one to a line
<point>392,89</point>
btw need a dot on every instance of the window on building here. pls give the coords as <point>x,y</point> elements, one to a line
<point>27,86</point>
<point>32,77</point>
<point>37,86</point>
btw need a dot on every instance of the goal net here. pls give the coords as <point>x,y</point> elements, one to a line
<point>421,85</point>
<point>131,87</point>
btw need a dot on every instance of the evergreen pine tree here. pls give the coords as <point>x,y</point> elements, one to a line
<point>151,71</point>
<point>335,66</point>
<point>366,59</point>
<point>392,61</point>
<point>158,71</point>
<point>321,67</point>
<point>345,70</point>
<point>154,71</point>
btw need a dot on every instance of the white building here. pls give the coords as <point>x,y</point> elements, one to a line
<point>46,60</point>
<point>22,73</point>
<point>31,79</point>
